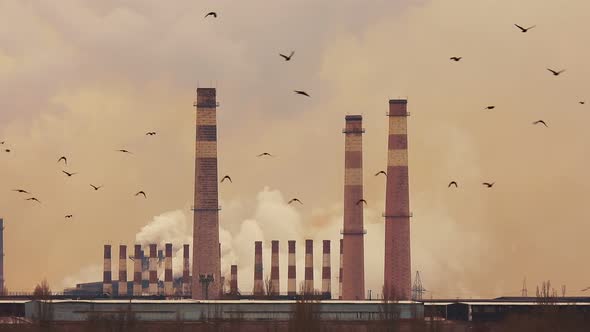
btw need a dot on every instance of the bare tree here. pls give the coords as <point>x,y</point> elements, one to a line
<point>42,295</point>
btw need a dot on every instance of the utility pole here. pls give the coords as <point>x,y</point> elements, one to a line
<point>205,280</point>
<point>417,289</point>
<point>524,292</point>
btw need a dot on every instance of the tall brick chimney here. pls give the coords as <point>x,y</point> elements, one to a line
<point>206,255</point>
<point>274,269</point>
<point>292,270</point>
<point>186,279</point>
<point>122,270</point>
<point>137,270</point>
<point>397,278</point>
<point>153,288</point>
<point>258,282</point>
<point>308,286</point>
<point>353,278</point>
<point>107,281</point>
<point>326,269</point>
<point>168,280</point>
<point>233,283</point>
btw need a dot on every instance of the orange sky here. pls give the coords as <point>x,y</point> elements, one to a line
<point>87,78</point>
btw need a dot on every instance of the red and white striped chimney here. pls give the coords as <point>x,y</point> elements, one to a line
<point>308,284</point>
<point>168,281</point>
<point>274,269</point>
<point>326,269</point>
<point>107,281</point>
<point>292,270</point>
<point>153,290</point>
<point>340,273</point>
<point>137,259</point>
<point>122,270</point>
<point>186,278</point>
<point>258,283</point>
<point>233,284</point>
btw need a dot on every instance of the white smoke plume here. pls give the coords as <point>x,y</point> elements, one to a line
<point>90,273</point>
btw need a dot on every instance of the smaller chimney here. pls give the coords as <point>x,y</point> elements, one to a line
<point>186,278</point>
<point>122,270</point>
<point>107,281</point>
<point>274,268</point>
<point>153,288</point>
<point>258,283</point>
<point>168,282</point>
<point>292,270</point>
<point>137,259</point>
<point>340,273</point>
<point>308,284</point>
<point>326,269</point>
<point>233,284</point>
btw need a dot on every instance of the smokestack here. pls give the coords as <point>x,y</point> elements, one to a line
<point>397,278</point>
<point>274,269</point>
<point>353,273</point>
<point>206,258</point>
<point>153,290</point>
<point>340,272</point>
<point>107,281</point>
<point>326,269</point>
<point>258,284</point>
<point>233,284</point>
<point>308,284</point>
<point>186,279</point>
<point>2,289</point>
<point>168,281</point>
<point>137,260</point>
<point>122,270</point>
<point>292,270</point>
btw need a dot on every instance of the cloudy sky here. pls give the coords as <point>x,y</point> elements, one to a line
<point>85,78</point>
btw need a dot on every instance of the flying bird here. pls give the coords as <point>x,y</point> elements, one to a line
<point>361,201</point>
<point>265,154</point>
<point>227,177</point>
<point>540,121</point>
<point>556,73</point>
<point>295,200</point>
<point>491,107</point>
<point>68,216</point>
<point>124,151</point>
<point>21,191</point>
<point>95,187</point>
<point>524,29</point>
<point>381,172</point>
<point>287,58</point>
<point>585,289</point>
<point>303,93</point>
<point>214,14</point>
<point>453,183</point>
<point>69,174</point>
<point>6,150</point>
<point>64,159</point>
<point>456,58</point>
<point>151,133</point>
<point>141,193</point>
<point>33,199</point>
<point>582,102</point>
<point>2,143</point>
<point>487,184</point>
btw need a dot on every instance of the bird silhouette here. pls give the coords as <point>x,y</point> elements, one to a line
<point>456,58</point>
<point>556,73</point>
<point>582,102</point>
<point>540,121</point>
<point>6,150</point>
<point>226,177</point>
<point>151,133</point>
<point>69,174</point>
<point>361,201</point>
<point>68,216</point>
<point>64,159</point>
<point>21,191</point>
<point>33,199</point>
<point>295,200</point>
<point>2,142</point>
<point>287,58</point>
<point>381,172</point>
<point>141,193</point>
<point>524,29</point>
<point>124,151</point>
<point>95,187</point>
<point>487,184</point>
<point>585,289</point>
<point>214,14</point>
<point>303,93</point>
<point>491,107</point>
<point>453,183</point>
<point>265,154</point>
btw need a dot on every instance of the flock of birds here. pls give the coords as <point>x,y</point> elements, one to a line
<point>285,57</point>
